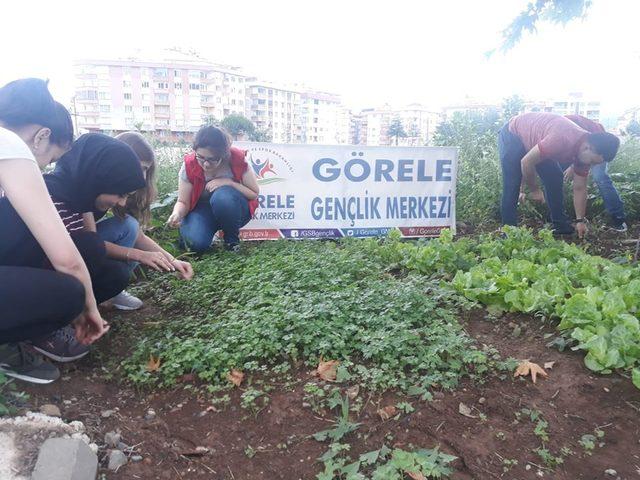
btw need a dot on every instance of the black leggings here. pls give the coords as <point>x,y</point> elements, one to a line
<point>38,301</point>
<point>35,302</point>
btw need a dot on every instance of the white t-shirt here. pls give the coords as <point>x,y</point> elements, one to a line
<point>12,146</point>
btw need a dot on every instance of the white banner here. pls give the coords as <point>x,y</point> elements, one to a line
<point>320,191</point>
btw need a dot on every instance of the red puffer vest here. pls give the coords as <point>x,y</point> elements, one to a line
<point>195,174</point>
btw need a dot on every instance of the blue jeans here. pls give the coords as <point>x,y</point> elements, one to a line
<point>121,231</point>
<point>610,196</point>
<point>227,209</point>
<point>511,152</point>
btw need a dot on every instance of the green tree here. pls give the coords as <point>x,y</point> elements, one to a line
<point>210,120</point>
<point>396,130</point>
<point>261,135</point>
<point>512,106</point>
<point>479,180</point>
<point>238,125</point>
<point>552,11</point>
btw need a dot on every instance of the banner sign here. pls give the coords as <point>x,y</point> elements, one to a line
<point>320,191</point>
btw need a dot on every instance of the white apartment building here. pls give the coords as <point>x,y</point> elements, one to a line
<point>275,108</point>
<point>173,95</point>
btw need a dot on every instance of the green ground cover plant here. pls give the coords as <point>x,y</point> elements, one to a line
<point>282,304</point>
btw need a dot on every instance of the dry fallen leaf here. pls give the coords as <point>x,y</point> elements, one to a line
<point>549,365</point>
<point>387,412</point>
<point>415,475</point>
<point>235,377</point>
<point>526,368</point>
<point>196,452</point>
<point>328,370</point>
<point>465,410</point>
<point>153,365</point>
<point>352,392</point>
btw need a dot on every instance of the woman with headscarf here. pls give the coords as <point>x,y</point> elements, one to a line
<point>97,174</point>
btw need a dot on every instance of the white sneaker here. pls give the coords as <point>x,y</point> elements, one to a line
<point>125,301</point>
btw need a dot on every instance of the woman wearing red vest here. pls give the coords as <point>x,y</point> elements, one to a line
<point>217,191</point>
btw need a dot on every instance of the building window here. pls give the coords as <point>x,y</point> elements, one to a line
<point>128,109</point>
<point>145,84</point>
<point>126,83</point>
<point>103,96</point>
<point>146,109</point>
<point>105,109</point>
<point>163,85</point>
<point>176,73</point>
<point>127,96</point>
<point>160,72</point>
<point>177,86</point>
<point>194,86</point>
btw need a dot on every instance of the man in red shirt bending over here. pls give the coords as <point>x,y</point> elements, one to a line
<point>610,196</point>
<point>545,143</point>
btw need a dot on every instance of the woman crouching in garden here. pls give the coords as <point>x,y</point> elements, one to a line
<point>217,191</point>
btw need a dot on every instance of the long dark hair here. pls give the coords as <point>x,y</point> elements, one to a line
<point>138,204</point>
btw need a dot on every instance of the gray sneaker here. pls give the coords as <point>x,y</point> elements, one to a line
<point>61,346</point>
<point>125,301</point>
<point>620,227</point>
<point>17,360</point>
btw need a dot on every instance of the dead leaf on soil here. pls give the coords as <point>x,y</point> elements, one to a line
<point>352,392</point>
<point>415,475</point>
<point>387,412</point>
<point>328,370</point>
<point>465,410</point>
<point>235,377</point>
<point>196,452</point>
<point>526,368</point>
<point>153,365</point>
<point>549,365</point>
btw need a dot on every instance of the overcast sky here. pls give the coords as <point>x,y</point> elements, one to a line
<point>370,52</point>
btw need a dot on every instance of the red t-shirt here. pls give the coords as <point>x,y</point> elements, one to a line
<point>557,137</point>
<point>586,123</point>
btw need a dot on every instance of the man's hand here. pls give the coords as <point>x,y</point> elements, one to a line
<point>522,198</point>
<point>537,196</point>
<point>568,174</point>
<point>581,229</point>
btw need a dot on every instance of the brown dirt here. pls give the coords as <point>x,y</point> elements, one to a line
<point>276,443</point>
<point>572,400</point>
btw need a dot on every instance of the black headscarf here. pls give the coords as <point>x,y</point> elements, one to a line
<point>96,164</point>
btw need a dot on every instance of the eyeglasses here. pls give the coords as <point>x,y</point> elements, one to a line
<point>212,160</point>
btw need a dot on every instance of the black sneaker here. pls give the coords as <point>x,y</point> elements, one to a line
<point>17,360</point>
<point>61,346</point>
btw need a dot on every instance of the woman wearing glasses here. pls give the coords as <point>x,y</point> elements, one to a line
<point>217,191</point>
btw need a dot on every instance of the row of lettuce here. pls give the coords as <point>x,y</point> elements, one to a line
<point>596,300</point>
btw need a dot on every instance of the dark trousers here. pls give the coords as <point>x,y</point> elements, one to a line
<point>35,302</point>
<point>511,152</point>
